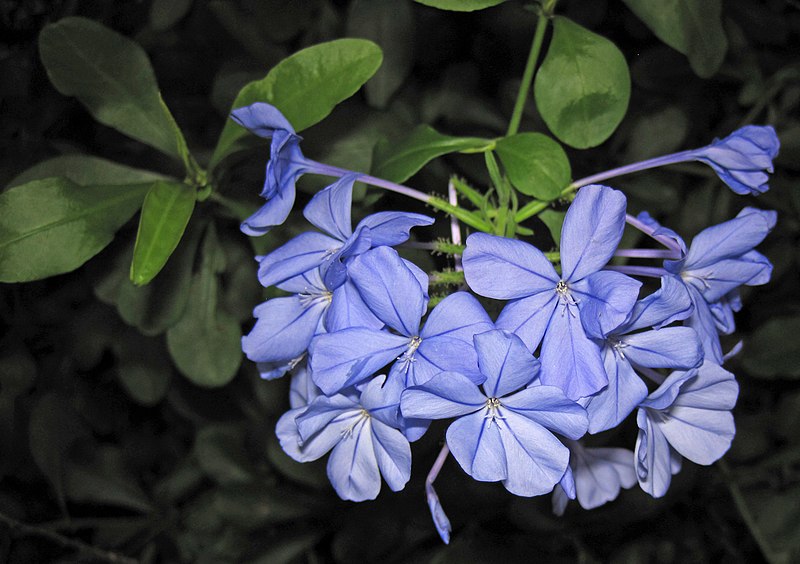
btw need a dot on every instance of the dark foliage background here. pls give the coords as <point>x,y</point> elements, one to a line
<point>107,452</point>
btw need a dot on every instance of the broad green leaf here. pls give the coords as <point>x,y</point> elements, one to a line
<point>112,77</point>
<point>105,479</point>
<point>769,354</point>
<point>306,86</point>
<point>143,367</point>
<point>156,307</point>
<point>583,86</point>
<point>52,226</point>
<point>460,5</point>
<point>400,162</point>
<point>165,214</point>
<point>86,169</point>
<point>390,24</point>
<point>206,343</point>
<point>54,427</point>
<point>220,451</point>
<point>536,165</point>
<point>554,221</point>
<point>693,27</point>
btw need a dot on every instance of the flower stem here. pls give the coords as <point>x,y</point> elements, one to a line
<point>648,253</point>
<point>527,75</point>
<point>683,156</point>
<point>329,170</point>
<point>649,271</point>
<point>668,242</point>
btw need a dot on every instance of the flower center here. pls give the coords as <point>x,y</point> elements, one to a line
<point>362,415</point>
<point>565,297</point>
<point>493,406</point>
<point>310,298</point>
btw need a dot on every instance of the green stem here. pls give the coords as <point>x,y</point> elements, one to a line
<point>527,75</point>
<point>538,206</point>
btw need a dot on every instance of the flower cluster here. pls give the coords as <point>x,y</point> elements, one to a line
<point>578,346</point>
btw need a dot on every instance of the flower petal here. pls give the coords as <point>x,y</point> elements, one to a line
<point>592,230</point>
<point>505,361</point>
<point>448,394</point>
<point>605,300</point>
<point>283,329</point>
<point>625,390</point>
<point>671,347</point>
<point>329,209</point>
<point>261,118</point>
<point>392,228</point>
<point>669,303</point>
<point>460,315</point>
<point>550,408</point>
<point>393,454</point>
<point>476,444</point>
<point>348,309</point>
<point>653,457</point>
<point>353,466</point>
<point>529,317</point>
<point>305,252</point>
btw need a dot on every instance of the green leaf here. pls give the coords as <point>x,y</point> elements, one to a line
<point>536,165</point>
<point>143,367</point>
<point>206,343</point>
<point>769,354</point>
<point>693,27</point>
<point>220,452</point>
<point>54,427</point>
<point>105,479</point>
<point>165,214</point>
<point>399,162</point>
<point>554,221</point>
<point>112,77</point>
<point>52,226</point>
<point>306,86</point>
<point>460,5</point>
<point>86,169</point>
<point>390,24</point>
<point>156,307</point>
<point>583,86</point>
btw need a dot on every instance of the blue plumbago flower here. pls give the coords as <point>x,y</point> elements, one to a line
<point>597,475</point>
<point>329,210</point>
<point>564,311</point>
<point>302,391</point>
<point>362,430</point>
<point>396,296</point>
<point>743,158</point>
<point>285,326</point>
<point>502,432</point>
<point>720,260</point>
<point>627,348</point>
<point>284,167</point>
<point>688,415</point>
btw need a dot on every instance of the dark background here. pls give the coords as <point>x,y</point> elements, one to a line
<point>95,465</point>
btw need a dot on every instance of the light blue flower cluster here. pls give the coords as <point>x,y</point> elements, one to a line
<point>575,349</point>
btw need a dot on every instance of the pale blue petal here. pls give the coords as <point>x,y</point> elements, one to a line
<point>460,315</point>
<point>653,457</point>
<point>702,321</point>
<point>261,118</point>
<point>665,395</point>
<point>592,230</point>
<point>392,228</point>
<point>322,411</point>
<point>569,359</point>
<point>283,329</point>
<point>353,466</point>
<point>605,300</point>
<point>303,253</point>
<point>669,303</point>
<point>670,347</point>
<point>625,391</point>
<point>477,446</point>
<point>559,500</point>
<point>506,269</point>
<point>348,309</point>
<point>273,213</point>
<point>448,394</point>
<point>600,473</point>
<point>302,390</point>
<point>334,269</point>
<point>420,275</point>
<point>529,317</point>
<point>309,282</point>
<point>713,388</point>
<point>393,454</point>
<point>701,435</point>
<point>389,289</point>
<point>443,353</point>
<point>347,357</point>
<point>549,407</point>
<point>289,436</point>
<point>726,275</point>
<point>329,209</point>
<point>505,361</point>
<point>440,519</point>
<point>535,459</point>
<point>381,397</point>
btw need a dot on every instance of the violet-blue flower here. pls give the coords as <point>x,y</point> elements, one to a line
<point>285,165</point>
<point>564,311</point>
<point>628,348</point>
<point>395,294</point>
<point>688,415</point>
<point>598,474</point>
<point>502,432</point>
<point>329,210</point>
<point>361,430</point>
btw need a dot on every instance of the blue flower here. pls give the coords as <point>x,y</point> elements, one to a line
<point>502,432</point>
<point>564,311</point>
<point>361,430</point>
<point>284,167</point>
<point>720,260</point>
<point>627,349</point>
<point>329,210</point>
<point>743,158</point>
<point>394,292</point>
<point>688,415</point>
<point>597,475</point>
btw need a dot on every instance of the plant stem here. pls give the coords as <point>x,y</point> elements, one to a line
<point>527,75</point>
